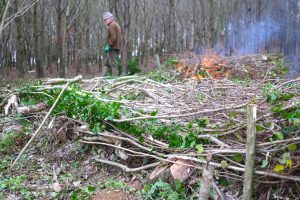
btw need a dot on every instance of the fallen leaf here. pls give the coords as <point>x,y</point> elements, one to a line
<point>224,164</point>
<point>158,172</point>
<point>56,187</point>
<point>264,163</point>
<point>292,147</point>
<point>76,183</point>
<point>278,168</point>
<point>180,171</point>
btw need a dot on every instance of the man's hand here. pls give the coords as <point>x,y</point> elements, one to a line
<point>107,48</point>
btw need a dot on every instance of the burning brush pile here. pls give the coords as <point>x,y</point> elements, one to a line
<point>216,66</point>
<point>191,131</point>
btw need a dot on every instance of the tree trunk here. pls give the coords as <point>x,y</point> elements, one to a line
<point>60,40</point>
<point>3,17</point>
<point>87,38</point>
<point>38,64</point>
<point>125,47</point>
<point>20,58</point>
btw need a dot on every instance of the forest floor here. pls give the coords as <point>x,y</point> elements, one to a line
<point>151,136</point>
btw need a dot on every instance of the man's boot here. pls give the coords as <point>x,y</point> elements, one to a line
<point>104,70</point>
<point>115,71</point>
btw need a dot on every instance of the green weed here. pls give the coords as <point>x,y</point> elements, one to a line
<point>162,190</point>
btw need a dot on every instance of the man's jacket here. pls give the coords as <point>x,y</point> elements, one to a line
<point>114,35</point>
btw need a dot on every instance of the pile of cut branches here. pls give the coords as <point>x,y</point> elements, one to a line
<point>177,128</point>
<point>217,66</point>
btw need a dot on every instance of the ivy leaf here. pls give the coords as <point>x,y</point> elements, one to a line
<point>233,114</point>
<point>271,126</point>
<point>90,189</point>
<point>289,164</point>
<point>277,109</point>
<point>223,181</point>
<point>259,128</point>
<point>74,196</point>
<point>292,147</point>
<point>264,163</point>
<point>279,135</point>
<point>278,168</point>
<point>288,96</point>
<point>224,164</point>
<point>202,122</point>
<point>192,144</point>
<point>200,148</point>
<point>289,115</point>
<point>296,122</point>
<point>284,158</point>
<point>154,113</point>
<point>238,158</point>
<point>273,97</point>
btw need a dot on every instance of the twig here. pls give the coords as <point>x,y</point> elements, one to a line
<point>287,82</point>
<point>240,169</point>
<point>125,168</point>
<point>182,115</point>
<point>139,153</point>
<point>213,139</point>
<point>279,142</point>
<point>40,127</point>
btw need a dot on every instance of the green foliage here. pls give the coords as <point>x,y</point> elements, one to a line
<point>2,7</point>
<point>292,147</point>
<point>285,163</point>
<point>15,184</point>
<point>4,163</point>
<point>133,66</point>
<point>202,122</point>
<point>133,96</point>
<point>238,158</point>
<point>287,130</point>
<point>163,74</point>
<point>162,190</point>
<point>274,95</point>
<point>27,97</point>
<point>158,76</point>
<point>278,136</point>
<point>117,185</point>
<point>281,68</point>
<point>80,105</point>
<point>169,62</point>
<point>85,193</point>
<point>264,163</point>
<point>276,98</point>
<point>8,141</point>
<point>176,135</point>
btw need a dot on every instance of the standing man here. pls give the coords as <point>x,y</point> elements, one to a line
<point>113,44</point>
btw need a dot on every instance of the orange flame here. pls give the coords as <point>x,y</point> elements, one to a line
<point>211,65</point>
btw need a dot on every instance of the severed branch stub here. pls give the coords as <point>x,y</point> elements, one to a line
<point>250,155</point>
<point>125,168</point>
<point>207,179</point>
<point>63,80</point>
<point>32,109</point>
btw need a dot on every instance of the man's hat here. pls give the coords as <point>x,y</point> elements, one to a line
<point>107,15</point>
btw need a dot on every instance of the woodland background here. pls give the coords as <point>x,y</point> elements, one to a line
<point>66,37</point>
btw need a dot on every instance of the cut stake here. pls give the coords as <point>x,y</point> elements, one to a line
<point>250,155</point>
